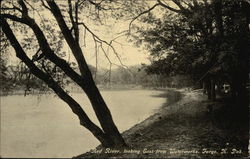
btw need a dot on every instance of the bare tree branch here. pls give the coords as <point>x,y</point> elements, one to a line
<point>14,8</point>
<point>97,5</point>
<point>107,57</point>
<point>73,20</point>
<point>36,56</point>
<point>24,8</point>
<point>76,21</point>
<point>99,40</point>
<point>142,13</point>
<point>29,5</point>
<point>178,3</point>
<point>45,5</point>
<point>166,6</point>
<point>96,58</point>
<point>14,18</point>
<point>87,28</point>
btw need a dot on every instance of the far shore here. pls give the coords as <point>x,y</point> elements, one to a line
<point>78,90</point>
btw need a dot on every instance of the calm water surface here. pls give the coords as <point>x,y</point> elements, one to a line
<point>44,126</point>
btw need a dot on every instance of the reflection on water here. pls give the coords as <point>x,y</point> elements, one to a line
<point>44,126</point>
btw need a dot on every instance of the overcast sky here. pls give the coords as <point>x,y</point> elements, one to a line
<point>129,53</point>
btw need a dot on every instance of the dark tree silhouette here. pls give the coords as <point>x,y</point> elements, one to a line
<point>206,39</point>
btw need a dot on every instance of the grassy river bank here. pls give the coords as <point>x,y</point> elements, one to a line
<point>184,128</point>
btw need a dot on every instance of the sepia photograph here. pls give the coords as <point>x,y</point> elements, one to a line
<point>129,79</point>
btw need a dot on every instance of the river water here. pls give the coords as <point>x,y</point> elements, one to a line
<point>44,126</point>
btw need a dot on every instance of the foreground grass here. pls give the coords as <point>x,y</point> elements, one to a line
<point>183,128</point>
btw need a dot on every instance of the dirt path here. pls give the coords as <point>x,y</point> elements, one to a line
<point>181,128</point>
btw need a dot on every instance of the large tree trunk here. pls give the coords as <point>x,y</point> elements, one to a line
<point>104,115</point>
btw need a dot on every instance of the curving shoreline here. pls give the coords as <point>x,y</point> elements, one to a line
<point>183,128</point>
<point>172,96</point>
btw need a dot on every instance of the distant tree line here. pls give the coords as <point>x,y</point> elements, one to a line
<point>18,78</point>
<point>137,75</point>
<point>15,78</point>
